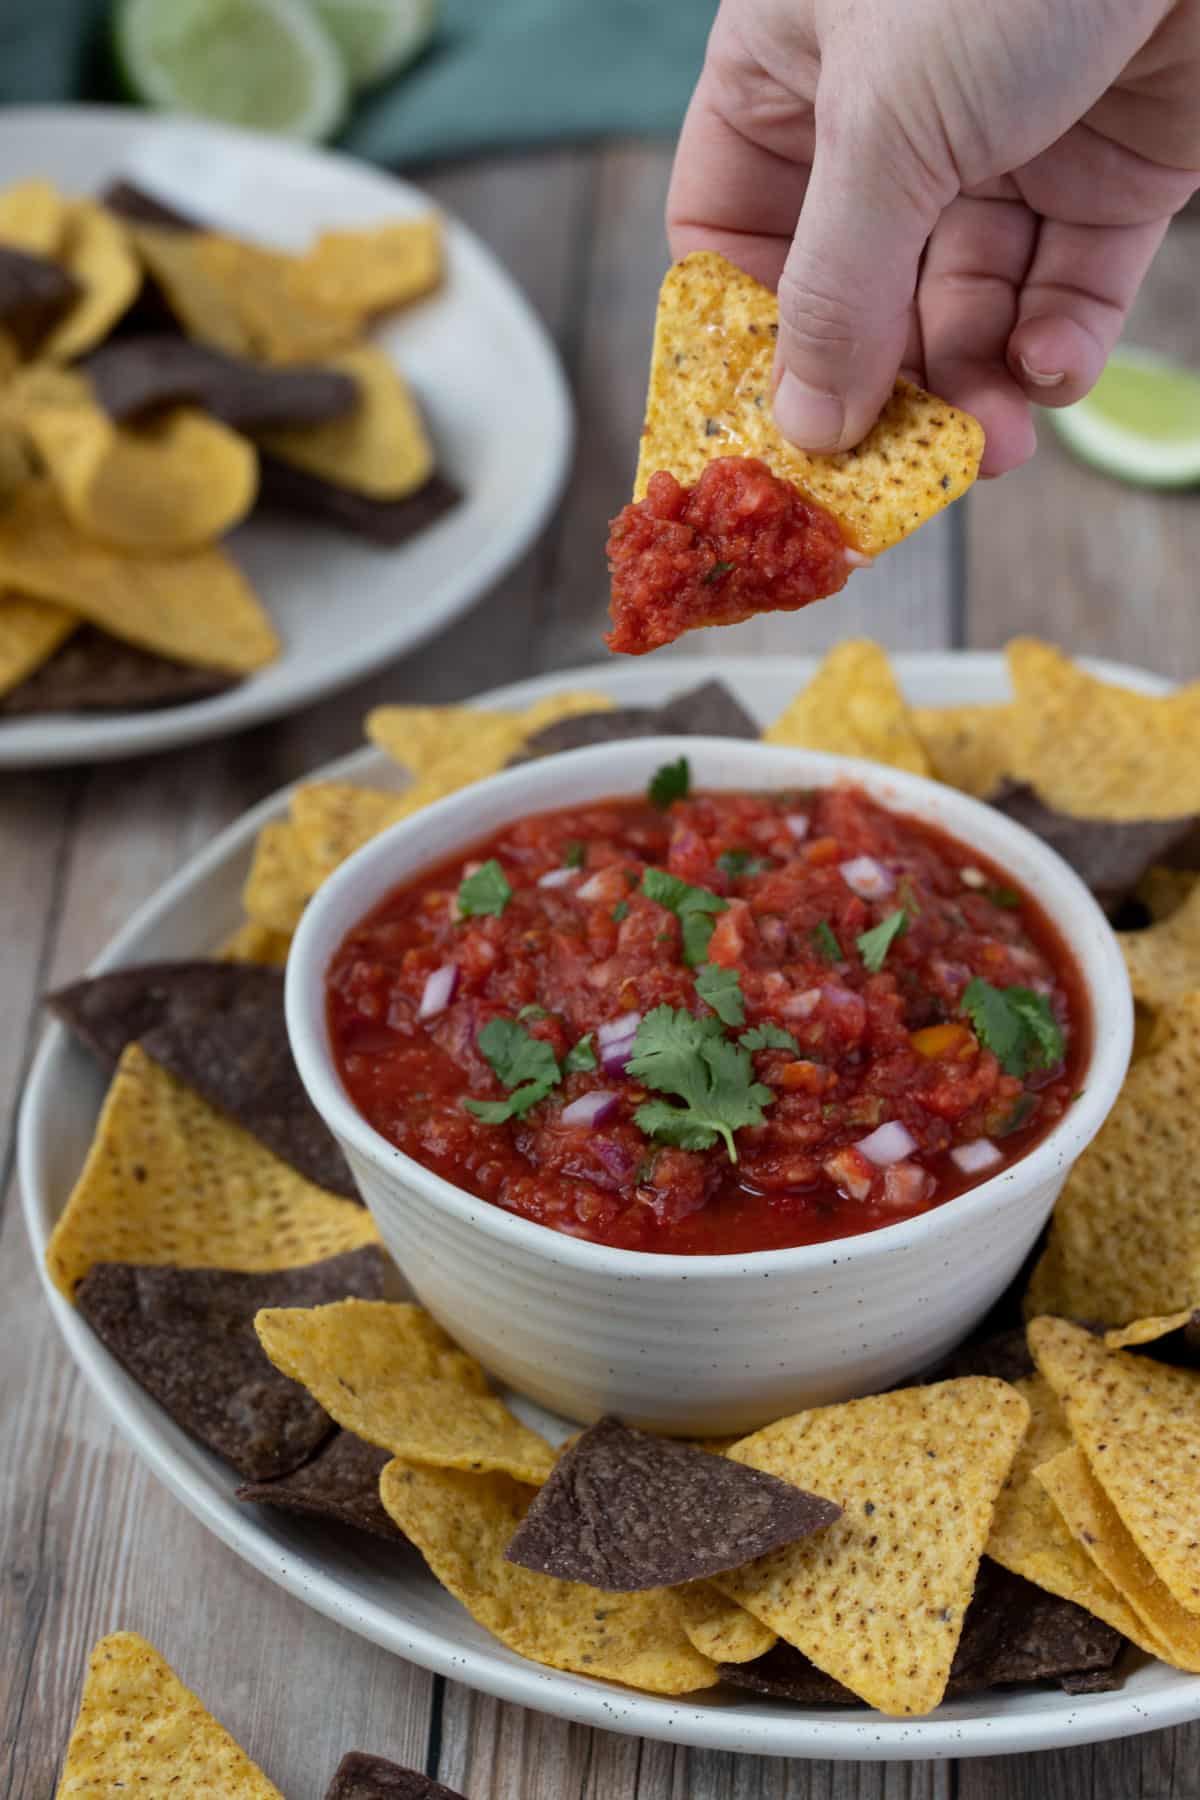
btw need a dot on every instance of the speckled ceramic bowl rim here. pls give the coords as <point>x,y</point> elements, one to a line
<point>401,853</point>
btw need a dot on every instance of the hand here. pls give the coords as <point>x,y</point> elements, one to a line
<point>968,190</point>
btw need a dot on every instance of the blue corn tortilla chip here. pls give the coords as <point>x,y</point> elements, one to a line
<point>140,207</point>
<point>1110,856</point>
<point>133,376</point>
<point>339,1484</point>
<point>709,710</point>
<point>624,1511</point>
<point>219,1027</point>
<point>363,1777</point>
<point>34,294</point>
<point>1013,1634</point>
<point>286,488</point>
<point>93,672</point>
<point>187,1336</point>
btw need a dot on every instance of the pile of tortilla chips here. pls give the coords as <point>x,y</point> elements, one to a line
<point>157,381</point>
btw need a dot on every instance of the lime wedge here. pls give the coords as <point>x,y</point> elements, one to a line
<point>268,64</point>
<point>377,37</point>
<point>1140,422</point>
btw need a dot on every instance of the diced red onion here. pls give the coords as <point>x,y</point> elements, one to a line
<point>972,877</point>
<point>438,991</point>
<point>856,559</point>
<point>590,1109</point>
<point>556,878</point>
<point>891,1143</point>
<point>595,887</point>
<point>802,1005</point>
<point>615,1042</point>
<point>798,825</point>
<point>774,934</point>
<point>976,1156</point>
<point>906,1185</point>
<point>867,878</point>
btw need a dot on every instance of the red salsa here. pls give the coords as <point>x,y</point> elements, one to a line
<point>722,1023</point>
<point>740,542</point>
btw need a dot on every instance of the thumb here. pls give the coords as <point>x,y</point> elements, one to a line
<point>847,290</point>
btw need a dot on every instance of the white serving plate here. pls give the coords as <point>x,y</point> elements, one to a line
<point>389,1596</point>
<point>481,362</point>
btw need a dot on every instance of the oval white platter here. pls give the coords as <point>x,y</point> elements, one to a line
<point>480,361</point>
<point>389,1596</point>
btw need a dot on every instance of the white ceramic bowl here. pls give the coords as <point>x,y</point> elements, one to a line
<point>703,1344</point>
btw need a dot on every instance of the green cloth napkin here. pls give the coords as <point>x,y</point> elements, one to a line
<point>501,73</point>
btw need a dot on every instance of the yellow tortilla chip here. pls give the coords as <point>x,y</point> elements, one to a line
<point>388,1373</point>
<point>33,217</point>
<point>284,324</point>
<point>1138,1423</point>
<point>718,1627</point>
<point>877,1600</point>
<point>1163,891</point>
<point>333,819</point>
<point>1147,1331</point>
<point>853,707</point>
<point>1125,1238</point>
<point>140,1731</point>
<point>1100,751</point>
<point>199,299</point>
<point>380,448</point>
<point>1164,960</point>
<point>41,384</point>
<point>171,485</point>
<point>255,943</point>
<point>1030,1536</point>
<point>462,1525</point>
<point>168,1179</point>
<point>710,395</point>
<point>97,252</point>
<point>280,881</point>
<point>425,738</point>
<point>374,269</point>
<point>197,608</point>
<point>1085,1509</point>
<point>30,632</point>
<point>967,746</point>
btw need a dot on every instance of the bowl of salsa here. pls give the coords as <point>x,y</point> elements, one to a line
<point>700,1081</point>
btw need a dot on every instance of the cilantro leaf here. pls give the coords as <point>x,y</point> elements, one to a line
<point>874,945</point>
<point>1015,1024</point>
<point>620,911</point>
<point>580,1056</point>
<point>737,863</point>
<point>533,1011</point>
<point>486,891</point>
<point>669,783</point>
<point>1006,897</point>
<point>716,571</point>
<point>769,1037</point>
<point>523,1063</point>
<point>676,1053</point>
<point>722,990</point>
<point>574,854</point>
<point>825,943</point>
<point>691,905</point>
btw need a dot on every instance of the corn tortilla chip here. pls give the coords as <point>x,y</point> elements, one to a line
<point>431,739</point>
<point>197,608</point>
<point>362,1777</point>
<point>168,1179</point>
<point>169,486</point>
<point>1029,1535</point>
<point>280,881</point>
<point>290,489</point>
<point>710,395</point>
<point>1138,1423</point>
<point>332,819</point>
<point>462,1525</point>
<point>254,943</point>
<point>1163,891</point>
<point>93,672</point>
<point>33,217</point>
<point>853,707</point>
<point>97,254</point>
<point>389,1374</point>
<point>284,322</point>
<point>34,295</point>
<point>139,1730</point>
<point>30,633</point>
<point>1148,1331</point>
<point>371,270</point>
<point>718,1627</point>
<point>1097,750</point>
<point>878,1599</point>
<point>379,448</point>
<point>136,375</point>
<point>966,745</point>
<point>1125,1239</point>
<point>199,300</point>
<point>1089,1514</point>
<point>341,1483</point>
<point>1164,960</point>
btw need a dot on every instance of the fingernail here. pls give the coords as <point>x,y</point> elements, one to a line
<point>810,419</point>
<point>1046,378</point>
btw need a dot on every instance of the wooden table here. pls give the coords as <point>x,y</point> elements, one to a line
<point>88,1540</point>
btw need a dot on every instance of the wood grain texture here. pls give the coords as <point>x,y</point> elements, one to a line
<point>88,1539</point>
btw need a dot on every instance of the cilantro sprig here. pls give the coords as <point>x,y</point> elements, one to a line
<point>581,1056</point>
<point>874,945</point>
<point>523,1063</point>
<point>671,782</point>
<point>692,906</point>
<point>1015,1024</point>
<point>825,944</point>
<point>691,1059</point>
<point>768,1036</point>
<point>737,863</point>
<point>722,990</point>
<point>486,891</point>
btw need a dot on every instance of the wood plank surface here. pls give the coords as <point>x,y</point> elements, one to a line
<point>88,1539</point>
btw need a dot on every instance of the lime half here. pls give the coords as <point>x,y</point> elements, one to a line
<point>268,64</point>
<point>377,37</point>
<point>1140,422</point>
